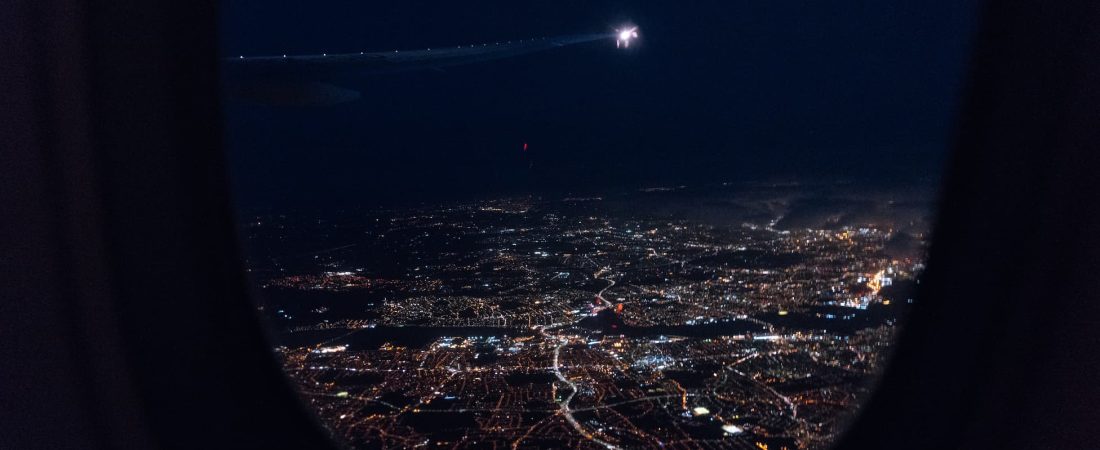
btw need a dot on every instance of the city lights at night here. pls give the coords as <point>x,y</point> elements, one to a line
<point>526,323</point>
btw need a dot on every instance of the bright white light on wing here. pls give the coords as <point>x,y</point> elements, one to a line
<point>625,35</point>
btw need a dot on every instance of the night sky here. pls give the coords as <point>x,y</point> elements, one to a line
<point>713,91</point>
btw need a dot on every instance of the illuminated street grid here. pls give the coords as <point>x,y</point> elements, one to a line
<point>554,324</point>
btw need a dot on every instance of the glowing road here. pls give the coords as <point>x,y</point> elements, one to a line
<point>562,340</point>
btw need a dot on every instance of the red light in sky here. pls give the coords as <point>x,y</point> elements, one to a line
<point>524,146</point>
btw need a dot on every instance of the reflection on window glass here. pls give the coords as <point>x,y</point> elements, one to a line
<point>581,224</point>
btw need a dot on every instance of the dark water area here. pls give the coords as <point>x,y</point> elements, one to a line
<point>307,338</point>
<point>839,320</point>
<point>372,338</point>
<point>286,308</point>
<point>707,330</point>
<point>609,322</point>
<point>820,318</point>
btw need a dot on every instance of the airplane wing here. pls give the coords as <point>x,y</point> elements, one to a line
<point>396,60</point>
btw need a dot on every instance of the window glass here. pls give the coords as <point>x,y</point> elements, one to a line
<point>581,224</point>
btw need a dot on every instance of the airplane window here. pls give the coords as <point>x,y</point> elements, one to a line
<point>585,224</point>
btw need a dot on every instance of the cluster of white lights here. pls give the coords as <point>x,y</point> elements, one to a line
<point>625,36</point>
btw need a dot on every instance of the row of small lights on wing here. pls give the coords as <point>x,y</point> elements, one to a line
<point>429,49</point>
